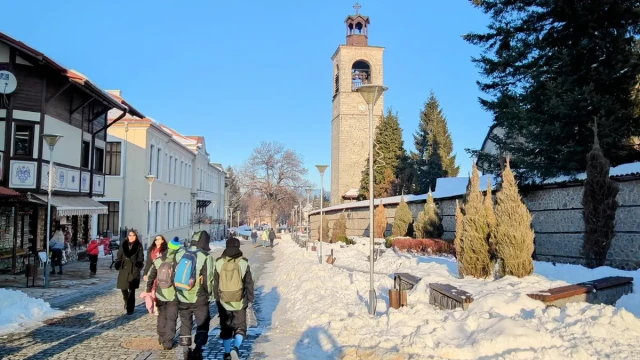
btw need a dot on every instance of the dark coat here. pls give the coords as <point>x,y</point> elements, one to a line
<point>272,235</point>
<point>129,263</point>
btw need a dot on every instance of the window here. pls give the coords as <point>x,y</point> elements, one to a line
<point>151,152</point>
<point>98,161</point>
<point>170,169</point>
<point>111,220</point>
<point>175,171</point>
<point>159,163</point>
<point>113,160</point>
<point>157,227</point>
<point>84,156</point>
<point>168,215</point>
<point>23,142</point>
<point>166,161</point>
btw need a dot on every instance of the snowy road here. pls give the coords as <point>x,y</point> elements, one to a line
<point>96,328</point>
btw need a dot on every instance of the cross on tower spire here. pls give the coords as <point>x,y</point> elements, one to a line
<point>357,7</point>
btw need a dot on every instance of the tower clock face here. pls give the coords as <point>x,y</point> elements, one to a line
<point>362,108</point>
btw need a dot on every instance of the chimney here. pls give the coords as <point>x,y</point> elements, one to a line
<point>115,92</point>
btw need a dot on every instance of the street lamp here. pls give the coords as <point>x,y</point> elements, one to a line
<point>238,218</point>
<point>321,169</point>
<point>150,179</point>
<point>371,93</point>
<point>308,191</point>
<point>51,140</point>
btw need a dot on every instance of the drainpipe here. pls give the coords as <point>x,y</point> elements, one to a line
<point>123,155</point>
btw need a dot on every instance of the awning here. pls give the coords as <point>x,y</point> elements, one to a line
<point>74,205</point>
<point>8,192</point>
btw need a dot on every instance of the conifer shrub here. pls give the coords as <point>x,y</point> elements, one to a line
<point>325,229</point>
<point>339,228</point>
<point>599,207</point>
<point>491,222</point>
<point>512,234</point>
<point>379,222</point>
<point>402,219</point>
<point>475,232</point>
<point>428,225</point>
<point>457,241</point>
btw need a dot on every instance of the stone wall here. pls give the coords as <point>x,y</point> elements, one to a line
<point>557,221</point>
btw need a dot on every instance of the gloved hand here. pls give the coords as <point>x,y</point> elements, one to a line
<point>139,264</point>
<point>117,265</point>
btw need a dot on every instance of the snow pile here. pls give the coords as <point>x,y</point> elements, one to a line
<point>325,307</point>
<point>19,310</point>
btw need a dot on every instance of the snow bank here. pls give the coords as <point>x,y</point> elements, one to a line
<point>326,305</point>
<point>18,310</point>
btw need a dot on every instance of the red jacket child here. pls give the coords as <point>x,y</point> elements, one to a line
<point>92,249</point>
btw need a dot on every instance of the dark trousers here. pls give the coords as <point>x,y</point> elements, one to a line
<point>232,322</point>
<point>200,311</point>
<point>167,318</point>
<point>56,259</point>
<point>129,297</point>
<point>93,263</point>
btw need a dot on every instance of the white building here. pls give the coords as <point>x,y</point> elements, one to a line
<point>184,185</point>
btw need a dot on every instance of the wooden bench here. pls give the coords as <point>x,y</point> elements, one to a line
<point>448,297</point>
<point>606,290</point>
<point>405,281</point>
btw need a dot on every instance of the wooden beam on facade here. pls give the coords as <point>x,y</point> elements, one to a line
<point>73,111</point>
<point>58,93</point>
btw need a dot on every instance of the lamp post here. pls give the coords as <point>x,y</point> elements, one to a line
<point>238,218</point>
<point>371,93</point>
<point>321,169</point>
<point>150,179</point>
<point>51,140</point>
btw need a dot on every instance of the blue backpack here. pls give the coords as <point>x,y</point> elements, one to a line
<point>186,272</point>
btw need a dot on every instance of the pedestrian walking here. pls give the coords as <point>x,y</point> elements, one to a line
<point>194,290</point>
<point>160,278</point>
<point>265,237</point>
<point>93,251</point>
<point>272,236</point>
<point>233,290</point>
<point>129,263</point>
<point>56,245</point>
<point>254,236</point>
<point>156,250</point>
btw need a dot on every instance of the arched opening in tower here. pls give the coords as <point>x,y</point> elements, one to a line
<point>360,74</point>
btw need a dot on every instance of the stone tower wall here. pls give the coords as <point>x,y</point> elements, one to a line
<point>349,125</point>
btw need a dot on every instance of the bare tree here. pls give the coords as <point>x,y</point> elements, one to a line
<point>276,174</point>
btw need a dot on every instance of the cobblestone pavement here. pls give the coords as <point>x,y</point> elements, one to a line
<point>95,326</point>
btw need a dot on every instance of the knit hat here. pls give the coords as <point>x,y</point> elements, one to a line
<point>174,244</point>
<point>233,243</point>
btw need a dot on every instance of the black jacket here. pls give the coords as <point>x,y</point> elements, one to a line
<point>129,263</point>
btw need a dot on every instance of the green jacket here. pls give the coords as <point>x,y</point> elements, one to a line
<point>247,284</point>
<point>168,294</point>
<point>204,285</point>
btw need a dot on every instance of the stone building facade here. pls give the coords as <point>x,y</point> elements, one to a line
<point>354,64</point>
<point>557,221</point>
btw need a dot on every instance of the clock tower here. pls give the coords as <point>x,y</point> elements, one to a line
<point>354,64</point>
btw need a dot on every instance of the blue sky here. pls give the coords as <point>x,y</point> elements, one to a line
<point>239,72</point>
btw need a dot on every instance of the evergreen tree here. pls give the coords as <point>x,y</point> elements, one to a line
<point>457,241</point>
<point>402,219</point>
<point>433,157</point>
<point>429,223</point>
<point>379,222</point>
<point>551,68</point>
<point>389,154</point>
<point>600,205</point>
<point>475,232</point>
<point>339,232</point>
<point>491,220</point>
<point>513,235</point>
<point>325,229</point>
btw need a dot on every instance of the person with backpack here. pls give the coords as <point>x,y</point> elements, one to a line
<point>193,282</point>
<point>272,237</point>
<point>233,290</point>
<point>160,280</point>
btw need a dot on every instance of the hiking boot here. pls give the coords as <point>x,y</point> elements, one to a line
<point>167,346</point>
<point>227,356</point>
<point>235,353</point>
<point>196,354</point>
